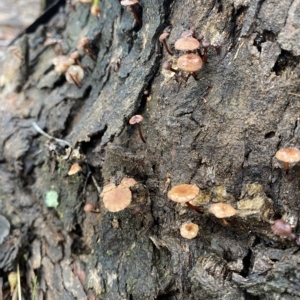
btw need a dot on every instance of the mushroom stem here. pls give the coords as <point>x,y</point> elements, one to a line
<point>167,47</point>
<point>140,132</point>
<point>195,208</point>
<point>75,79</point>
<point>135,10</point>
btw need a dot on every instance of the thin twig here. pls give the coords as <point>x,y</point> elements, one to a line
<point>297,95</point>
<point>19,283</point>
<point>41,131</point>
<point>237,52</point>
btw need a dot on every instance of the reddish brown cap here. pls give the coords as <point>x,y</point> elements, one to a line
<point>189,62</point>
<point>136,119</point>
<point>189,230</point>
<point>222,210</point>
<point>288,155</point>
<point>183,193</point>
<point>163,36</point>
<point>117,198</point>
<point>282,228</point>
<point>187,44</point>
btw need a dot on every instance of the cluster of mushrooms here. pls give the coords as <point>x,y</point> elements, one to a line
<point>196,53</point>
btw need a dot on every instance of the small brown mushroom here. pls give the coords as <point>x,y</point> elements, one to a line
<point>89,207</point>
<point>162,38</point>
<point>74,75</point>
<point>62,63</point>
<point>95,10</point>
<point>75,168</point>
<point>189,230</point>
<point>128,182</point>
<point>184,193</point>
<point>136,119</point>
<point>133,6</point>
<point>117,198</point>
<point>282,228</point>
<point>288,157</point>
<point>187,44</point>
<point>190,63</point>
<point>222,210</point>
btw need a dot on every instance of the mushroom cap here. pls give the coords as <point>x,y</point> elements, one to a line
<point>62,63</point>
<point>75,72</point>
<point>75,168</point>
<point>163,36</point>
<point>188,33</point>
<point>136,119</point>
<point>107,188</point>
<point>222,210</point>
<point>189,62</point>
<point>128,182</point>
<point>82,42</point>
<point>129,2</point>
<point>95,10</point>
<point>189,230</point>
<point>183,193</point>
<point>187,44</point>
<point>282,228</point>
<point>88,207</point>
<point>288,155</point>
<point>75,55</point>
<point>117,198</point>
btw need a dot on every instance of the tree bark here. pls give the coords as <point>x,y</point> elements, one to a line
<point>220,132</point>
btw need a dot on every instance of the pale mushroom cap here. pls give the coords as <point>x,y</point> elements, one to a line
<point>163,36</point>
<point>187,44</point>
<point>288,155</point>
<point>129,2</point>
<point>82,42</point>
<point>128,182</point>
<point>136,119</point>
<point>62,63</point>
<point>95,10</point>
<point>189,62</point>
<point>183,193</point>
<point>75,168</point>
<point>75,72</point>
<point>117,199</point>
<point>189,230</point>
<point>107,188</point>
<point>222,210</point>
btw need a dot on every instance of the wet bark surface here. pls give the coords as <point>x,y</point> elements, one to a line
<point>220,132</point>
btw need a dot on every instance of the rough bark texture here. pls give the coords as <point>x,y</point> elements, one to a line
<point>220,133</point>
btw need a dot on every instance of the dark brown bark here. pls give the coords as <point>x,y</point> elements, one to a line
<point>220,133</point>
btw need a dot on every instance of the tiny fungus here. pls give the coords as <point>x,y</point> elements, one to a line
<point>184,193</point>
<point>222,210</point>
<point>288,157</point>
<point>187,44</point>
<point>189,230</point>
<point>128,182</point>
<point>133,6</point>
<point>168,66</point>
<point>75,168</point>
<point>89,207</point>
<point>188,33</point>
<point>76,56</point>
<point>74,75</point>
<point>283,229</point>
<point>190,63</point>
<point>62,63</point>
<point>136,119</point>
<point>117,198</point>
<point>162,38</point>
<point>95,10</point>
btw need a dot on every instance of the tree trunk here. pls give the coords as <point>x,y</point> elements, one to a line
<point>220,132</point>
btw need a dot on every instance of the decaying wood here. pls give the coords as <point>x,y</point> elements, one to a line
<point>220,133</point>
